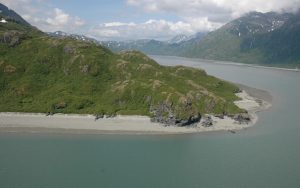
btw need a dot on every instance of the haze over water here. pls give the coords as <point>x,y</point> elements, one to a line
<point>266,155</point>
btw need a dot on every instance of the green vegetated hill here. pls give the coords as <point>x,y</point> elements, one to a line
<point>39,73</point>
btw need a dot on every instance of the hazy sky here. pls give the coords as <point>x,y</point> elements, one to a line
<point>138,19</point>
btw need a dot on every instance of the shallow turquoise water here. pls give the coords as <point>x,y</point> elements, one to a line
<point>266,155</point>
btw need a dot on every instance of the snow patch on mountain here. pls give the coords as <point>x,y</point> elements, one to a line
<point>255,22</point>
<point>3,20</point>
<point>73,36</point>
<point>178,39</point>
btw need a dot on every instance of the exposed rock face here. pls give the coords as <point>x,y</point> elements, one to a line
<point>84,69</point>
<point>99,116</point>
<point>207,121</point>
<point>242,118</point>
<point>102,115</point>
<point>9,69</point>
<point>68,49</point>
<point>164,114</point>
<point>238,90</point>
<point>11,38</point>
<point>49,113</point>
<point>188,122</point>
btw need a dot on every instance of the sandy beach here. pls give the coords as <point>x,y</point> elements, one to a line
<point>86,124</point>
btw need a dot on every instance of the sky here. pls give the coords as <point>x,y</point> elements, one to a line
<point>139,19</point>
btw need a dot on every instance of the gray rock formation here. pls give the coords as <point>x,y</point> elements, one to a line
<point>164,114</point>
<point>99,116</point>
<point>11,38</point>
<point>69,49</point>
<point>207,121</point>
<point>242,118</point>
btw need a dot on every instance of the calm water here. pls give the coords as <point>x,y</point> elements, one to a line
<point>266,155</point>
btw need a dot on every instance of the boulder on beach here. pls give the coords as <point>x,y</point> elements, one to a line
<point>242,118</point>
<point>207,121</point>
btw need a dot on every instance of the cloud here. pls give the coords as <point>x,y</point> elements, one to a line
<point>231,8</point>
<point>47,18</point>
<point>151,29</point>
<point>216,11</point>
<point>59,20</point>
<point>190,16</point>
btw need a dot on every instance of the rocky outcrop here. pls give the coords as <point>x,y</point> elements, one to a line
<point>99,116</point>
<point>68,49</point>
<point>9,69</point>
<point>50,113</point>
<point>102,115</point>
<point>164,114</point>
<point>243,118</point>
<point>207,121</point>
<point>84,68</point>
<point>237,90</point>
<point>192,120</point>
<point>12,38</point>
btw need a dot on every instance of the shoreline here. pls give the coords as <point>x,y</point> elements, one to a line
<point>18,122</point>
<point>232,63</point>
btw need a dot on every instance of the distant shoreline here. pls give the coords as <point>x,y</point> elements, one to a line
<point>136,125</point>
<point>220,62</point>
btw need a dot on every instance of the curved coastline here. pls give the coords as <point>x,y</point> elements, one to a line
<point>86,123</point>
<point>220,62</point>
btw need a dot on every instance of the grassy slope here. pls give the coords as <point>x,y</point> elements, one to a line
<point>42,74</point>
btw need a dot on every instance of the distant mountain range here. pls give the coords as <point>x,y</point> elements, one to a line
<point>255,38</point>
<point>154,47</point>
<point>179,39</point>
<point>258,38</point>
<point>61,34</point>
<point>148,46</point>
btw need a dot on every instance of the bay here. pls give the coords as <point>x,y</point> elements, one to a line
<point>265,155</point>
